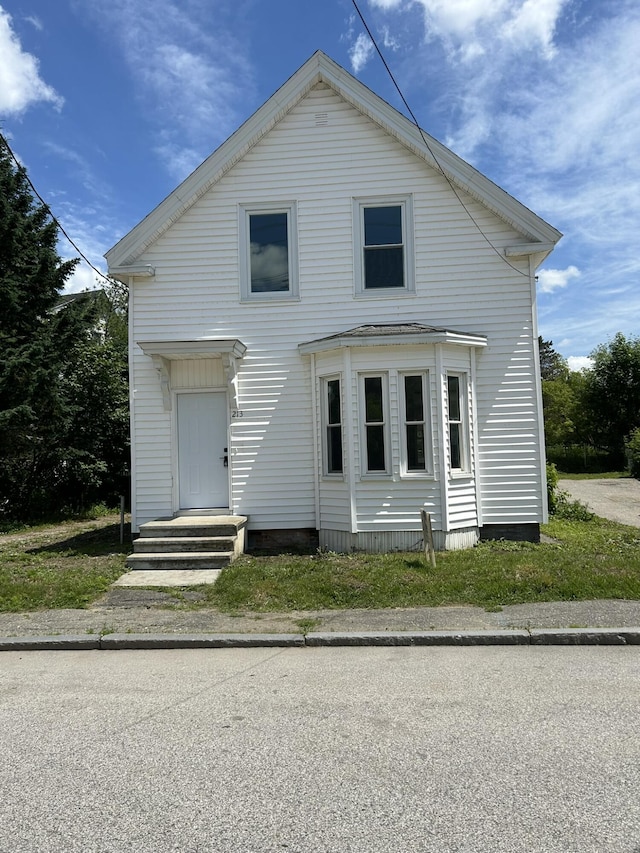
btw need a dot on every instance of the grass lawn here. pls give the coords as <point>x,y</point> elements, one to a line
<point>71,564</point>
<point>63,565</point>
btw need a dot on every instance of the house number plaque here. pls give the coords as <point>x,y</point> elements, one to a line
<point>237,413</point>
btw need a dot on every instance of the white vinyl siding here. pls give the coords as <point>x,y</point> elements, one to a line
<point>459,284</point>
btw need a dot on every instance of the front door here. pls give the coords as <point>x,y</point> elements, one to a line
<point>202,450</point>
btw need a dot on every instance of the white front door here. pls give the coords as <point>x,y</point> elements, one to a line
<point>202,450</point>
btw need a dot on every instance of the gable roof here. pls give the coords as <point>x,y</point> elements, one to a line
<point>321,69</point>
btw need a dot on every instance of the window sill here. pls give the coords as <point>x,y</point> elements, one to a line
<point>278,299</point>
<point>384,293</point>
<point>417,475</point>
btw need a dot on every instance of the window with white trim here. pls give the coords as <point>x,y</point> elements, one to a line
<point>268,251</point>
<point>457,422</point>
<point>332,427</point>
<point>383,230</point>
<point>415,423</point>
<point>375,426</point>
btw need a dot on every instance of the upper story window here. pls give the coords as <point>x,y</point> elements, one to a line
<point>268,251</point>
<point>384,246</point>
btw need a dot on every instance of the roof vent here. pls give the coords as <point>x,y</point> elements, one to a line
<point>321,119</point>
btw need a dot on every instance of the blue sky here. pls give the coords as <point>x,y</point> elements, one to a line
<point>110,103</point>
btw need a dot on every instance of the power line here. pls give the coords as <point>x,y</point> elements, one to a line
<point>44,203</point>
<point>429,148</point>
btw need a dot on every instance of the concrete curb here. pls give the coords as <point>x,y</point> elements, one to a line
<point>419,638</point>
<point>199,641</point>
<point>531,637</point>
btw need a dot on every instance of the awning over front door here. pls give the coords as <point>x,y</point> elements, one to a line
<point>230,350</point>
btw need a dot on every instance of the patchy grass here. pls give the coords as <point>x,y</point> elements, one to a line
<point>63,565</point>
<point>71,564</point>
<point>595,559</point>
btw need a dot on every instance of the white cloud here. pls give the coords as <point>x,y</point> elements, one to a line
<point>388,41</point>
<point>20,81</point>
<point>550,279</point>
<point>35,22</point>
<point>192,78</point>
<point>473,28</point>
<point>82,278</point>
<point>579,362</point>
<point>361,52</point>
<point>535,19</point>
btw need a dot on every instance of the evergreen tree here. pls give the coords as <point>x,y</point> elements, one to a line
<point>50,364</point>
<point>552,365</point>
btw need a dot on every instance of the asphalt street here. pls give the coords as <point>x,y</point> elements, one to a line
<point>448,750</point>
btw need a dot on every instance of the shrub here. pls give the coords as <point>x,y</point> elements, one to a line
<point>560,503</point>
<point>632,446</point>
<point>552,486</point>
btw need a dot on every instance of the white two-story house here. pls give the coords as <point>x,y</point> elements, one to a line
<point>332,327</point>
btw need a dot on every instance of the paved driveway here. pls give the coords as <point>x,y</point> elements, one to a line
<point>618,500</point>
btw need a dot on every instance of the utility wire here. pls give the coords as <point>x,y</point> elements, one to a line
<point>44,203</point>
<point>429,148</point>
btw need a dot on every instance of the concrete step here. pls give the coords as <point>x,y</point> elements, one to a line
<point>173,544</point>
<point>198,526</point>
<point>180,561</point>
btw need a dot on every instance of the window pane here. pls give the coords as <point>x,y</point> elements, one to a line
<point>334,449</point>
<point>413,398</point>
<point>415,448</point>
<point>373,398</point>
<point>333,401</point>
<point>453,385</point>
<point>375,448</point>
<point>383,226</point>
<point>454,441</point>
<point>383,267</point>
<point>269,252</point>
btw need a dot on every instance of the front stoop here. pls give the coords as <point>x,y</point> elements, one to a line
<point>188,542</point>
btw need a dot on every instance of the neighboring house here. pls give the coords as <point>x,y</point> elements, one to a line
<point>331,330</point>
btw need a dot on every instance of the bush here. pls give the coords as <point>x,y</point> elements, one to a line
<point>552,486</point>
<point>560,503</point>
<point>632,446</point>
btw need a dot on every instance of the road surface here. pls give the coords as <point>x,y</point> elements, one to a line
<point>503,750</point>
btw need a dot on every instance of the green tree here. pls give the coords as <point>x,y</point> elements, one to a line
<point>613,393</point>
<point>53,358</point>
<point>553,366</point>
<point>94,464</point>
<point>560,404</point>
